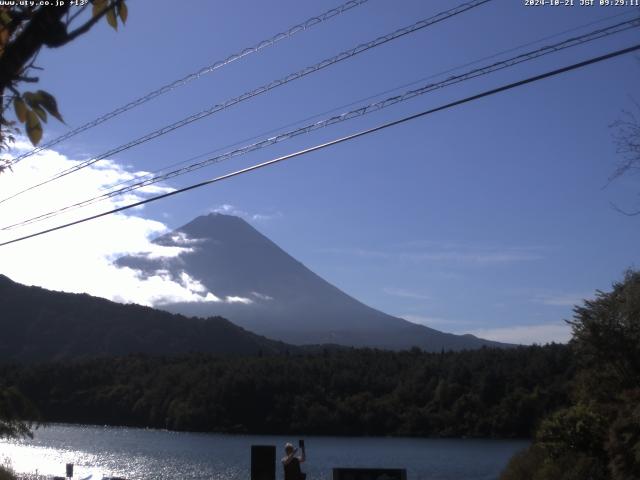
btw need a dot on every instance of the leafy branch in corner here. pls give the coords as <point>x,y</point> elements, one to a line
<point>24,31</point>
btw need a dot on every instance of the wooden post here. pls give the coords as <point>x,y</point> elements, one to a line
<point>263,462</point>
<point>369,474</point>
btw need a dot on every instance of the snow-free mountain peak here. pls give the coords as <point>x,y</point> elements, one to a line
<point>262,288</point>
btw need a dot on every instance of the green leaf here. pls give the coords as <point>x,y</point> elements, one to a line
<point>34,128</point>
<point>5,18</point>
<point>31,99</point>
<point>41,113</point>
<point>48,102</point>
<point>112,19</point>
<point>98,7</point>
<point>123,12</point>
<point>20,108</point>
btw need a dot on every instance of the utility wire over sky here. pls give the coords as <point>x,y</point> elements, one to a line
<point>358,112</point>
<point>290,32</point>
<point>353,136</point>
<point>347,54</point>
<point>144,175</point>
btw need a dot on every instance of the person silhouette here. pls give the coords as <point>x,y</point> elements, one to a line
<point>291,463</point>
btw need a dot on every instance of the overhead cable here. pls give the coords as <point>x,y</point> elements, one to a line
<point>143,175</point>
<point>358,112</point>
<point>353,136</point>
<point>363,47</point>
<point>290,32</point>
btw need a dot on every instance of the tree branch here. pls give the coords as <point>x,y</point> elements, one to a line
<point>28,79</point>
<point>75,15</point>
<point>90,23</point>
<point>625,212</point>
<point>44,28</point>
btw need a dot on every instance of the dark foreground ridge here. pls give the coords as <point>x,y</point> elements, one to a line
<point>38,324</point>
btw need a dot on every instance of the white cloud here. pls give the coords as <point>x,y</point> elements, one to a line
<point>79,259</point>
<point>518,334</point>
<point>358,252</point>
<point>181,238</point>
<point>401,292</point>
<point>562,300</point>
<point>468,256</point>
<point>243,300</point>
<point>228,209</point>
<point>261,296</point>
<point>163,252</point>
<point>429,321</point>
<point>527,334</point>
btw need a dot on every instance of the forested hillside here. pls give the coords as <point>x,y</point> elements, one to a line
<point>482,393</point>
<point>39,324</point>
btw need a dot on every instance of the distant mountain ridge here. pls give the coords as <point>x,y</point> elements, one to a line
<point>282,299</point>
<point>40,325</point>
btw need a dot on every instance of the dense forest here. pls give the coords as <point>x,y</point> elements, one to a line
<point>596,436</point>
<point>482,393</point>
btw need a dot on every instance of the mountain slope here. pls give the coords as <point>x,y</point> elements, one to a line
<point>39,324</point>
<point>277,296</point>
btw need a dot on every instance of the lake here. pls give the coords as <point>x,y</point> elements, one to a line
<point>140,454</point>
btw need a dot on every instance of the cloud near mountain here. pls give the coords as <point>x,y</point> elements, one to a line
<point>80,259</point>
<point>288,301</point>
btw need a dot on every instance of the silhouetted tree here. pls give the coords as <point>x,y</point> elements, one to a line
<point>626,135</point>
<point>17,414</point>
<point>598,437</point>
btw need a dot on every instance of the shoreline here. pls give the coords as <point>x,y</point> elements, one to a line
<point>45,425</point>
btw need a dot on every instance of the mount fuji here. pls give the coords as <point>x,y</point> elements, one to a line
<point>245,277</point>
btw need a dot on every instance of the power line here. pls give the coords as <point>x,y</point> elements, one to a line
<point>263,89</point>
<point>346,116</point>
<point>361,111</point>
<point>353,136</point>
<point>367,98</point>
<point>290,32</point>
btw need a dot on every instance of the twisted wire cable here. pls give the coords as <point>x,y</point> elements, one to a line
<point>337,141</point>
<point>358,112</point>
<point>144,175</point>
<point>361,48</point>
<point>290,32</point>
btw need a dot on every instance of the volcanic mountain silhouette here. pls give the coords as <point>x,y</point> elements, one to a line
<point>265,290</point>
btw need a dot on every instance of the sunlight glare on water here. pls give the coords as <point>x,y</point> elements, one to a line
<point>139,454</point>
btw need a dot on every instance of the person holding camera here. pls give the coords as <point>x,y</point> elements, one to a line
<point>291,462</point>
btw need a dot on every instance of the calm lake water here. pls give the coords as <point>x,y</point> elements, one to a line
<point>139,454</point>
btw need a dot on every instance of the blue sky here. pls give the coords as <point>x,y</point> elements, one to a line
<point>492,217</point>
